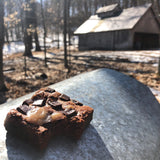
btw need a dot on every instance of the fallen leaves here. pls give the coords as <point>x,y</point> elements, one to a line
<point>39,76</point>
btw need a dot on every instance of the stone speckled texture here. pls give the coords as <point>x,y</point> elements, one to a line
<point>125,125</point>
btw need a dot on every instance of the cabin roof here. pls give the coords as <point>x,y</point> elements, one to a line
<point>127,19</point>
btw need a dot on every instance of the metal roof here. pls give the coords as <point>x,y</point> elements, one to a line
<point>126,20</point>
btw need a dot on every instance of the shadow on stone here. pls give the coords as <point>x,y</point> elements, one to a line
<point>90,146</point>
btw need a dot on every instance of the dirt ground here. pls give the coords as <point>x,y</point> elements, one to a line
<point>38,75</point>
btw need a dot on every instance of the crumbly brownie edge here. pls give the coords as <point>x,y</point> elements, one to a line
<point>34,135</point>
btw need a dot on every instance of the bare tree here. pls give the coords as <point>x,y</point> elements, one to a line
<point>65,33</point>
<point>27,29</point>
<point>34,15</point>
<point>44,32</point>
<point>2,85</point>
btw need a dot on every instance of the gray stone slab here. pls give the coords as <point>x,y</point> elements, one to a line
<point>126,123</point>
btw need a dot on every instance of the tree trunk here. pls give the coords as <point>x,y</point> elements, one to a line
<point>34,16</point>
<point>134,3</point>
<point>86,8</point>
<point>38,48</point>
<point>58,25</point>
<point>18,32</point>
<point>6,34</point>
<point>69,23</point>
<point>65,34</point>
<point>44,34</point>
<point>126,4</point>
<point>58,39</point>
<point>12,36</point>
<point>159,67</point>
<point>95,6</point>
<point>27,43</point>
<point>2,85</point>
<point>27,34</point>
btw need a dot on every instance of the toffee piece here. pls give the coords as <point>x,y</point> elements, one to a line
<point>48,113</point>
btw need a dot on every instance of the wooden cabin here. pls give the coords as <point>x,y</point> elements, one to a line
<point>115,29</point>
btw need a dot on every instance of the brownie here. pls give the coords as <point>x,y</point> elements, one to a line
<point>46,114</point>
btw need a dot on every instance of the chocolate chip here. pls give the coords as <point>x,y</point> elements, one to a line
<point>77,102</point>
<point>38,95</point>
<point>52,98</point>
<point>23,109</point>
<point>64,97</point>
<point>27,102</point>
<point>70,113</point>
<point>55,105</point>
<point>50,90</point>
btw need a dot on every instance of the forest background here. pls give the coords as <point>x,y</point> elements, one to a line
<point>27,20</point>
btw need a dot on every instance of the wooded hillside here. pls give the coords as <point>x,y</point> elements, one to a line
<point>24,21</point>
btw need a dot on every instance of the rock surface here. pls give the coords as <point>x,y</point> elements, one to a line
<point>125,126</point>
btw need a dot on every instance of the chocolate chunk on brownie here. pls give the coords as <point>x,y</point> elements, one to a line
<point>55,105</point>
<point>50,90</point>
<point>64,97</point>
<point>23,108</point>
<point>48,113</point>
<point>77,102</point>
<point>27,102</point>
<point>70,113</point>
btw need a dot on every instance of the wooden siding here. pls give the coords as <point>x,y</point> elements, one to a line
<point>106,40</point>
<point>147,24</point>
